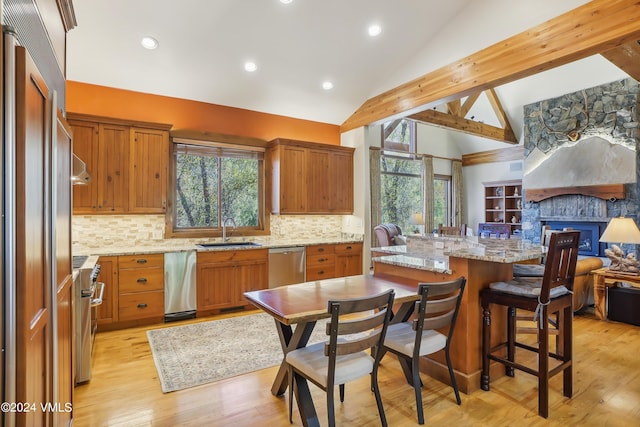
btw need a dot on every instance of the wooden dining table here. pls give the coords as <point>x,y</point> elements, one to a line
<point>297,308</point>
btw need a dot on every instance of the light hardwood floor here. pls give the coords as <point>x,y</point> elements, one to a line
<point>125,391</point>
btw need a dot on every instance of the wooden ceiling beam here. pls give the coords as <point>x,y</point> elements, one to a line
<point>492,156</point>
<point>468,103</point>
<point>626,57</point>
<point>597,26</point>
<point>461,124</point>
<point>492,96</point>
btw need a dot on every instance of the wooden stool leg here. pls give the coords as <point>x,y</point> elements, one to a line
<point>511,339</point>
<point>543,366</point>
<point>567,338</point>
<point>486,346</point>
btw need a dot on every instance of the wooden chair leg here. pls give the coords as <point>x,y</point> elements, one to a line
<point>567,337</point>
<point>543,366</point>
<point>486,346</point>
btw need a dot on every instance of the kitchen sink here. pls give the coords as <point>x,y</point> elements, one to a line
<point>227,244</point>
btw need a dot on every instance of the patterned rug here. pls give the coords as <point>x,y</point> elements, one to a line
<point>200,353</point>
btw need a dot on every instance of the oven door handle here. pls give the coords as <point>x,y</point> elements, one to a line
<point>97,301</point>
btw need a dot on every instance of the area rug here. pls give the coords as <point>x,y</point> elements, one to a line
<point>200,353</point>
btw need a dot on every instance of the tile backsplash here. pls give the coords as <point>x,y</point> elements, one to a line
<point>91,232</point>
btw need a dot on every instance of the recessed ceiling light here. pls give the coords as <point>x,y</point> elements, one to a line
<point>375,30</point>
<point>286,1</point>
<point>250,66</point>
<point>149,42</point>
<point>327,85</point>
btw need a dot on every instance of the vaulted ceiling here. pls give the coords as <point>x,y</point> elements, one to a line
<point>203,45</point>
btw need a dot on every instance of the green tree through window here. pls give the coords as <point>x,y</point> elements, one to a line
<point>212,184</point>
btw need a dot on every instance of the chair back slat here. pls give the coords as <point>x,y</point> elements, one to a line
<point>437,322</point>
<point>357,324</point>
<point>560,266</point>
<point>361,324</point>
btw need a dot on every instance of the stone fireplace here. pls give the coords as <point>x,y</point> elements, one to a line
<point>595,177</point>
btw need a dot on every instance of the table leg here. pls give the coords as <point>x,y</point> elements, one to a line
<point>289,340</point>
<point>600,296</point>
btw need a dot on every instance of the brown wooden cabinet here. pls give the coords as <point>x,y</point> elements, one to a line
<point>503,204</point>
<point>224,276</point>
<point>141,287</point>
<point>107,312</point>
<point>326,261</point>
<point>348,259</point>
<point>127,162</point>
<point>310,178</point>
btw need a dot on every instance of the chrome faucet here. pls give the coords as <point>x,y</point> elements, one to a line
<point>224,228</point>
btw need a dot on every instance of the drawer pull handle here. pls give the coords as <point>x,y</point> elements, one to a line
<point>349,248</point>
<point>142,305</point>
<point>142,280</point>
<point>321,272</point>
<point>322,259</point>
<point>141,261</point>
<point>320,249</point>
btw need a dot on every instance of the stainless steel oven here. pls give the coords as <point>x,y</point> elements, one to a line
<point>88,294</point>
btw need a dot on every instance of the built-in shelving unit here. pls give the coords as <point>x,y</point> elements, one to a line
<point>503,204</point>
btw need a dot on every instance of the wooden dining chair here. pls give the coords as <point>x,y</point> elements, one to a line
<point>437,308</point>
<point>544,297</point>
<point>345,357</point>
<point>452,231</point>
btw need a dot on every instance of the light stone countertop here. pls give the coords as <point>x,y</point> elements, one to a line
<point>179,245</point>
<point>433,253</point>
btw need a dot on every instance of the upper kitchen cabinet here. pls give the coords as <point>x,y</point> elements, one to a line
<point>127,162</point>
<point>310,178</point>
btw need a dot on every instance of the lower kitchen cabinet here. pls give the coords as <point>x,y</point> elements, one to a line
<point>224,276</point>
<point>107,312</point>
<point>134,290</point>
<point>327,261</point>
<point>348,259</point>
<point>141,287</point>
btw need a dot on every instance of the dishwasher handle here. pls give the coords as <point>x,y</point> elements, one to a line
<point>286,250</point>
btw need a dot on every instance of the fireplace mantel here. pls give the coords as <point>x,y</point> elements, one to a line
<point>605,192</point>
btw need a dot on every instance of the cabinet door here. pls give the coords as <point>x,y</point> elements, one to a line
<point>252,276</point>
<point>319,191</point>
<point>293,176</point>
<point>113,162</point>
<point>341,183</point>
<point>348,259</point>
<point>85,146</point>
<point>148,171</point>
<point>107,312</point>
<point>216,286</point>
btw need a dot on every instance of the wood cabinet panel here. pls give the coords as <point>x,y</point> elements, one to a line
<point>148,171</point>
<point>140,305</point>
<point>112,176</point>
<point>107,312</point>
<point>127,162</point>
<point>321,260</point>
<point>141,280</point>
<point>348,259</point>
<point>311,178</point>
<point>138,261</point>
<point>86,147</point>
<point>224,276</point>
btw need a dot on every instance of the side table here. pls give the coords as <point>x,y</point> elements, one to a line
<point>604,278</point>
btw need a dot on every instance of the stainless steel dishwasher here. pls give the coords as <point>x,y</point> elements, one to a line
<point>286,266</point>
<point>179,285</point>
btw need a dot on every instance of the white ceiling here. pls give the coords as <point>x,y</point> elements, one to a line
<point>204,44</point>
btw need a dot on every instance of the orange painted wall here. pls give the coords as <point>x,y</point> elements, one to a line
<point>185,114</point>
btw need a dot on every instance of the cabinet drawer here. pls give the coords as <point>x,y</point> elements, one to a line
<point>141,305</point>
<point>320,260</point>
<point>319,249</point>
<point>138,261</point>
<point>211,257</point>
<point>320,273</point>
<point>348,248</point>
<point>141,280</point>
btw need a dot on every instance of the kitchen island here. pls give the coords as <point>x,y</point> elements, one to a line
<point>481,261</point>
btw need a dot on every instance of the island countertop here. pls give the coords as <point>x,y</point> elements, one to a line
<point>432,253</point>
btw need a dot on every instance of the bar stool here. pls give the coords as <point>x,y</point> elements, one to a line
<point>551,294</point>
